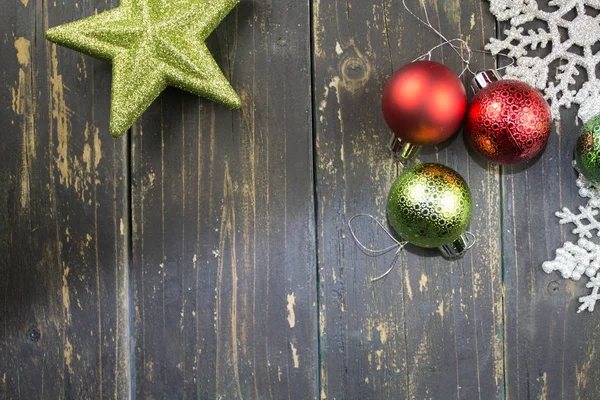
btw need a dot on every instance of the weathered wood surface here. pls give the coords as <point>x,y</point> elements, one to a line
<point>223,223</point>
<point>434,328</point>
<point>550,349</point>
<point>64,331</point>
<point>243,281</point>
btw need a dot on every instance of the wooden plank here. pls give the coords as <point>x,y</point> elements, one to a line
<point>550,349</point>
<point>223,223</point>
<point>64,221</point>
<point>434,328</point>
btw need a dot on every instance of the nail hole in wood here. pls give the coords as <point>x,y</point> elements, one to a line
<point>33,334</point>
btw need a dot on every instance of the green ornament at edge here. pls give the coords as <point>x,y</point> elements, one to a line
<point>587,151</point>
<point>429,205</point>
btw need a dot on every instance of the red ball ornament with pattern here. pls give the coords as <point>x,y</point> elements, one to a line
<point>424,103</point>
<point>508,121</point>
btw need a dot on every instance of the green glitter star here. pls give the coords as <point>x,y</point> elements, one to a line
<point>152,44</point>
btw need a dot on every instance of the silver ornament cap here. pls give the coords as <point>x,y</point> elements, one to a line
<point>401,149</point>
<point>459,246</point>
<point>482,79</point>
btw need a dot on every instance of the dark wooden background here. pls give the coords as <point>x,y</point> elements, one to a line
<point>206,254</point>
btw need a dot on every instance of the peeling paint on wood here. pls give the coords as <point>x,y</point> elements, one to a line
<point>233,193</point>
<point>224,301</point>
<point>291,302</point>
<point>62,301</point>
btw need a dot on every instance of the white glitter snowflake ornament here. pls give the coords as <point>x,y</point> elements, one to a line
<point>575,261</point>
<point>559,88</point>
<point>590,300</point>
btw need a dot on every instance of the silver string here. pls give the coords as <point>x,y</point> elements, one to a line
<point>392,265</point>
<point>472,240</point>
<point>458,49</point>
<point>373,252</point>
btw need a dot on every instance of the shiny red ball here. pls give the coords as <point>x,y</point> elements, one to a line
<point>508,122</point>
<point>424,103</point>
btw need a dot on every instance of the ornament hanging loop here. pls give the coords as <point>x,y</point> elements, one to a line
<point>458,48</point>
<point>374,252</point>
<point>369,251</point>
<point>392,265</point>
<point>459,45</point>
<point>472,239</point>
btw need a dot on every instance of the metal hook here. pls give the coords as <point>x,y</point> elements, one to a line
<point>472,240</point>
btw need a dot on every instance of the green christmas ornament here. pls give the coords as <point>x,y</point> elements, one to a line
<point>587,151</point>
<point>429,205</point>
<point>152,44</point>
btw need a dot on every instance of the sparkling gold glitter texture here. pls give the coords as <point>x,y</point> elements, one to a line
<point>152,44</point>
<point>429,205</point>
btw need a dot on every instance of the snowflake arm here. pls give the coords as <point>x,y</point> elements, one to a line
<point>573,261</point>
<point>589,301</point>
<point>532,40</point>
<point>585,214</point>
<point>560,88</point>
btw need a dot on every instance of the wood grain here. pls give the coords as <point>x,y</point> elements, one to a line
<point>245,282</point>
<point>223,223</point>
<point>64,330</point>
<point>550,349</point>
<point>434,328</point>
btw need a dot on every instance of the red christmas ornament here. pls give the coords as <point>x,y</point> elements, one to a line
<point>508,121</point>
<point>424,103</point>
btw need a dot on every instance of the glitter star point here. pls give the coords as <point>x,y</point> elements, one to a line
<point>152,44</point>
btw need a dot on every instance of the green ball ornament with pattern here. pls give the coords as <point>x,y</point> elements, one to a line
<point>430,205</point>
<point>587,151</point>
